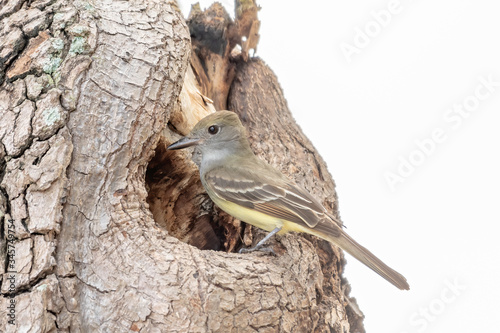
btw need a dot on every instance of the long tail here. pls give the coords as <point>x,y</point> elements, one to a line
<point>369,259</point>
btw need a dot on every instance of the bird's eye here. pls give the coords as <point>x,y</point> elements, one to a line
<point>214,129</point>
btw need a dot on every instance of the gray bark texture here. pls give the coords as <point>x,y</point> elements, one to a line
<point>104,230</point>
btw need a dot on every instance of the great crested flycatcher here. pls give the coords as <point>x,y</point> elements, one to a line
<point>254,192</point>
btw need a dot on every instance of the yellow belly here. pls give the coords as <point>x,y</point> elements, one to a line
<point>251,216</point>
<point>262,220</point>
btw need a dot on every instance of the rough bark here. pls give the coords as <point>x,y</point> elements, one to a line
<point>89,93</point>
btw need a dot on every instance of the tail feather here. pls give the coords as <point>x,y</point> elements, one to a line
<point>359,252</point>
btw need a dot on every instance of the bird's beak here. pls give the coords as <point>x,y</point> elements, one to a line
<point>184,143</point>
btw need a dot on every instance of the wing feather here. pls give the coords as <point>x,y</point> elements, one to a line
<point>279,198</point>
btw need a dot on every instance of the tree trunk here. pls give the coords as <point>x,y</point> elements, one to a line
<point>102,228</point>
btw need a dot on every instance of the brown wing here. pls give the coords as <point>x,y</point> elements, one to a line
<point>277,197</point>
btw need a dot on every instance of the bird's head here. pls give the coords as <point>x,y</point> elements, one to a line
<point>220,133</point>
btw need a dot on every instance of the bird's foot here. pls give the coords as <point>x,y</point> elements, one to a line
<point>258,246</point>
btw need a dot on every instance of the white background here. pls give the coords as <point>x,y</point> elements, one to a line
<point>439,224</point>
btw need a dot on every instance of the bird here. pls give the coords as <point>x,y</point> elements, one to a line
<point>251,190</point>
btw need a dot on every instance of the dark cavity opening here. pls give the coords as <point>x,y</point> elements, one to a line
<point>180,204</point>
